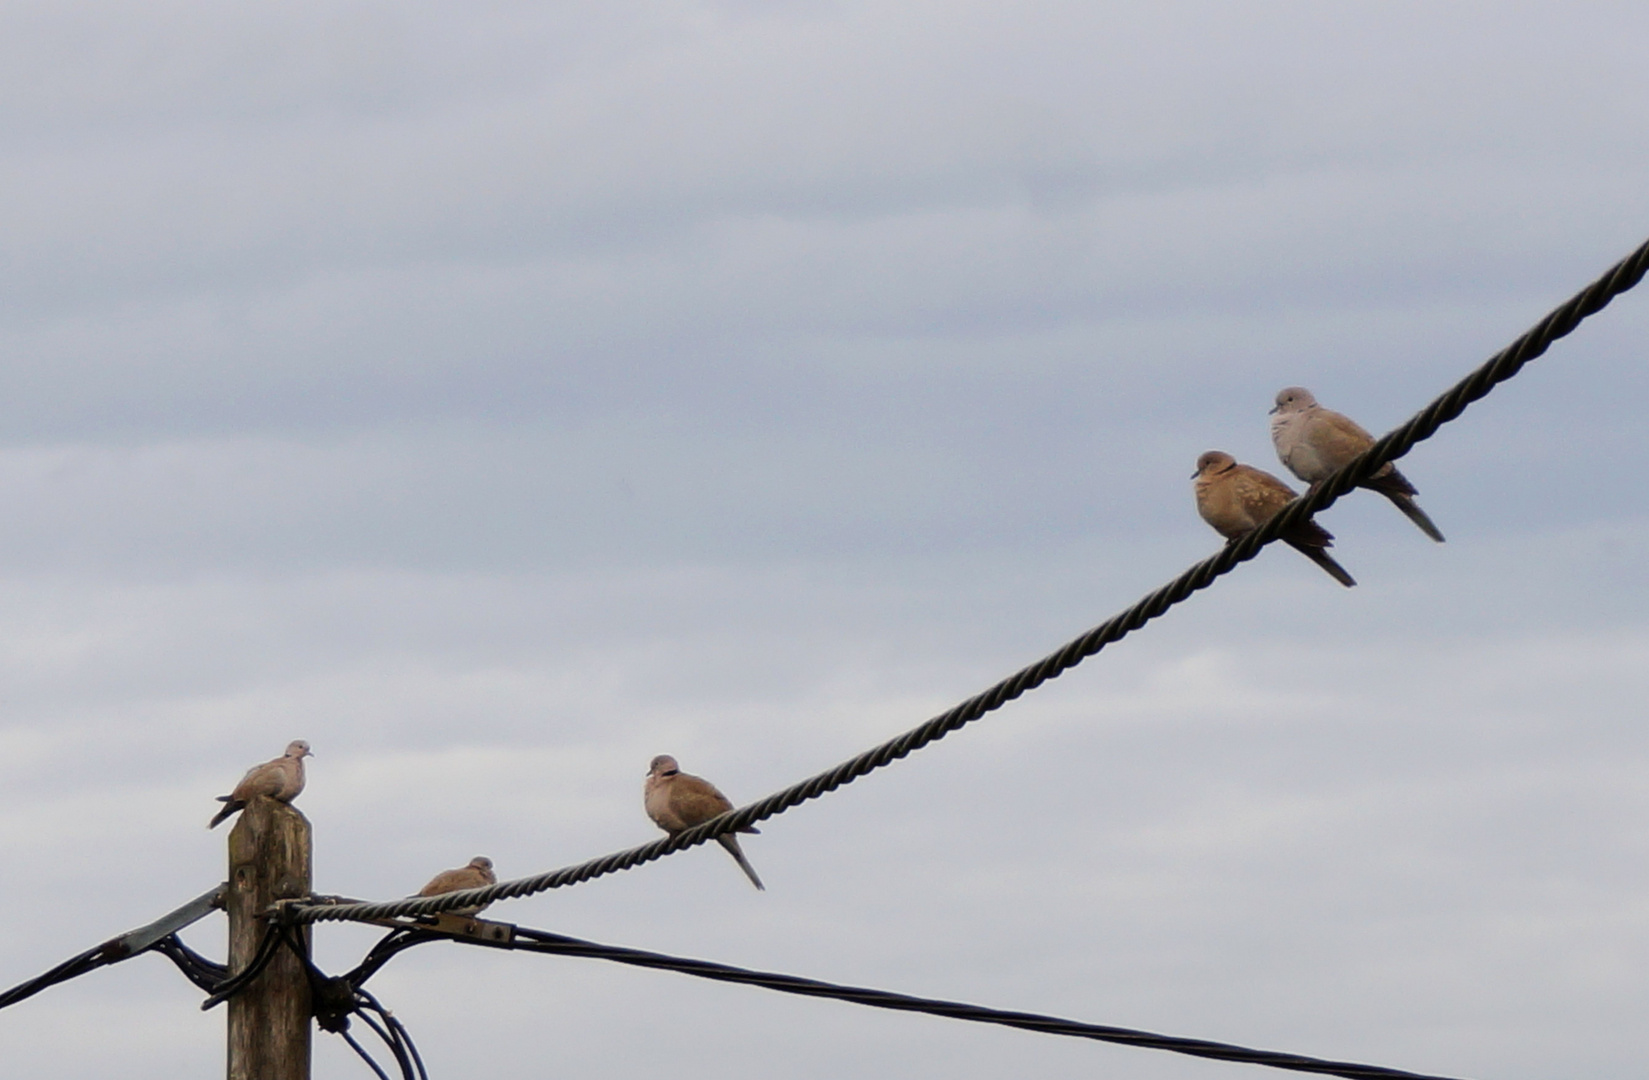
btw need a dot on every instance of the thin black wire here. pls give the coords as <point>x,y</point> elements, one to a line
<point>366,1057</point>
<point>392,943</point>
<point>208,975</point>
<point>541,941</point>
<point>228,988</point>
<point>334,1000</point>
<point>117,949</point>
<point>1502,366</point>
<point>72,968</point>
<point>389,1041</point>
<point>403,1037</point>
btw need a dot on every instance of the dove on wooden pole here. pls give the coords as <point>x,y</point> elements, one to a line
<point>279,779</point>
<point>269,860</point>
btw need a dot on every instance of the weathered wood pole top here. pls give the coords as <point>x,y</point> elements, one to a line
<point>269,860</point>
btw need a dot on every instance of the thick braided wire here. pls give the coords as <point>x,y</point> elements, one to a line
<point>1502,366</point>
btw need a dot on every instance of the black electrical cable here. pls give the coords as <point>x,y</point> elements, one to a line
<point>209,975</point>
<point>267,946</point>
<point>72,968</point>
<point>1502,366</point>
<point>525,939</point>
<point>366,1057</point>
<point>333,1000</point>
<point>405,1050</point>
<point>127,945</point>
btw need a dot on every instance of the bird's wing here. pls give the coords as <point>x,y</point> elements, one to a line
<point>695,799</point>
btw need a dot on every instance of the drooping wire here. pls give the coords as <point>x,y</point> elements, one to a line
<point>206,974</point>
<point>366,1057</point>
<point>268,945</point>
<point>132,943</point>
<point>525,939</point>
<point>401,1043</point>
<point>72,968</point>
<point>334,1000</point>
<point>1502,366</point>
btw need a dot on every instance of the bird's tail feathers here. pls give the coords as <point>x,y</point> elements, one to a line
<point>731,843</point>
<point>230,806</point>
<point>1326,561</point>
<point>1412,511</point>
<point>1389,482</point>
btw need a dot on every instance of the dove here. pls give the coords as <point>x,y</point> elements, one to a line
<point>476,874</point>
<point>281,780</point>
<point>1315,442</point>
<point>676,800</point>
<point>1237,499</point>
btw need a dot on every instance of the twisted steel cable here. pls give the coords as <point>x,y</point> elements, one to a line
<point>1500,367</point>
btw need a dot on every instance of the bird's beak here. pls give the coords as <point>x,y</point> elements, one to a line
<point>1196,474</point>
<point>1274,409</point>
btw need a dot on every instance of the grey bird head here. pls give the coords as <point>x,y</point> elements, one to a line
<point>1294,399</point>
<point>1214,461</point>
<point>298,748</point>
<point>663,765</point>
<point>482,863</point>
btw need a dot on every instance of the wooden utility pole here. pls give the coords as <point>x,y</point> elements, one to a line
<point>269,860</point>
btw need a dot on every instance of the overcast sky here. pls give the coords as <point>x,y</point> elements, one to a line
<point>499,394</point>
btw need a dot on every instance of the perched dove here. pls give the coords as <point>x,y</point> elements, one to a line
<point>1237,499</point>
<point>676,800</point>
<point>477,874</point>
<point>281,779</point>
<point>1314,442</point>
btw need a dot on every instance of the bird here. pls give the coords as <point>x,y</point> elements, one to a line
<point>1237,499</point>
<point>475,874</point>
<point>1315,442</point>
<point>676,800</point>
<point>281,780</point>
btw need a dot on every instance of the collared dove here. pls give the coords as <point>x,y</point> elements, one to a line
<point>676,800</point>
<point>1237,499</point>
<point>281,780</point>
<point>1315,442</point>
<point>476,874</point>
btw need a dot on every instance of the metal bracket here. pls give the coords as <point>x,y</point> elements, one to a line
<point>484,931</point>
<point>133,942</point>
<point>467,927</point>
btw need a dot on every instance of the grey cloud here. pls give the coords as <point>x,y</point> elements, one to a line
<point>499,398</point>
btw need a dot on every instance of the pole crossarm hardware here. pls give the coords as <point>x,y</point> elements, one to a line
<point>1502,366</point>
<point>153,936</point>
<point>446,924</point>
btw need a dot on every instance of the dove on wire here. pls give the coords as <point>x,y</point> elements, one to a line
<point>476,874</point>
<point>676,800</point>
<point>1237,499</point>
<point>281,780</point>
<point>1315,442</point>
